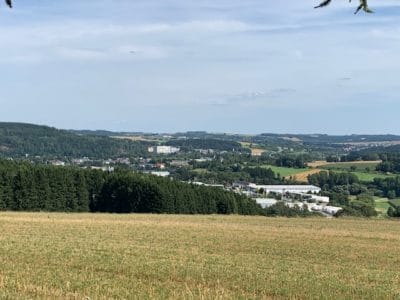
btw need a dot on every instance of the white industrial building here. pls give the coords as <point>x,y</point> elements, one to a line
<point>292,195</point>
<point>264,202</point>
<point>314,198</point>
<point>160,173</point>
<point>282,189</point>
<point>164,149</point>
<point>313,207</point>
<point>206,184</point>
<point>330,210</point>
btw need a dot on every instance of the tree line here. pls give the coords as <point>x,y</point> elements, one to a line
<point>293,161</point>
<point>28,187</point>
<point>390,163</point>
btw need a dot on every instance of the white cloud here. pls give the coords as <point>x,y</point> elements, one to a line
<point>216,55</point>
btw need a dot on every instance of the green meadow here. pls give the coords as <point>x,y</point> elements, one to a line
<point>395,202</point>
<point>284,171</point>
<point>365,171</point>
<point>347,166</point>
<point>382,205</point>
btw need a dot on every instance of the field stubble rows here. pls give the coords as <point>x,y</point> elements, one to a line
<point>165,256</point>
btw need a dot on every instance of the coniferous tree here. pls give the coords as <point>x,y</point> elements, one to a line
<point>43,189</point>
<point>24,186</point>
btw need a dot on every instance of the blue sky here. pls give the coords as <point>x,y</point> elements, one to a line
<point>246,66</point>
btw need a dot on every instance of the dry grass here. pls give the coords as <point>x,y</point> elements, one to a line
<point>207,257</point>
<point>257,151</point>
<point>303,176</point>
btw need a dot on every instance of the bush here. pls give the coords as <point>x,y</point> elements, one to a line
<point>281,209</point>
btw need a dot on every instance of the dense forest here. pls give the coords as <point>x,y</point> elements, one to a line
<point>17,140</point>
<point>390,163</point>
<point>28,187</point>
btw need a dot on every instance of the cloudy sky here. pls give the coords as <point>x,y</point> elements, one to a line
<point>247,66</point>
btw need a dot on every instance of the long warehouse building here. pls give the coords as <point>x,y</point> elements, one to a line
<point>282,189</point>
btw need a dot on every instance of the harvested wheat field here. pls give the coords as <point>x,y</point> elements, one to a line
<point>165,256</point>
<point>303,176</point>
<point>321,163</point>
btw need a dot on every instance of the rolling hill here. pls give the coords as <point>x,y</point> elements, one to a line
<point>19,139</point>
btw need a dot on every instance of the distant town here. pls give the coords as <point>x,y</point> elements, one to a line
<point>329,175</point>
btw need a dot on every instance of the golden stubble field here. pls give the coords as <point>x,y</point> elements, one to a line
<point>81,256</point>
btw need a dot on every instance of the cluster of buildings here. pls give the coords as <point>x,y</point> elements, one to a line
<point>303,196</point>
<point>205,151</point>
<point>163,149</point>
<point>280,189</point>
<point>159,173</point>
<point>85,162</point>
<point>103,168</point>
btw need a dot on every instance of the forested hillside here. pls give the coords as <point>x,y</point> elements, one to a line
<point>28,187</point>
<point>18,139</point>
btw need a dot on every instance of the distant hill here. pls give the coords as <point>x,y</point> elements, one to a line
<point>18,139</point>
<point>374,152</point>
<point>330,139</point>
<point>105,132</point>
<point>215,144</point>
<point>274,138</point>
